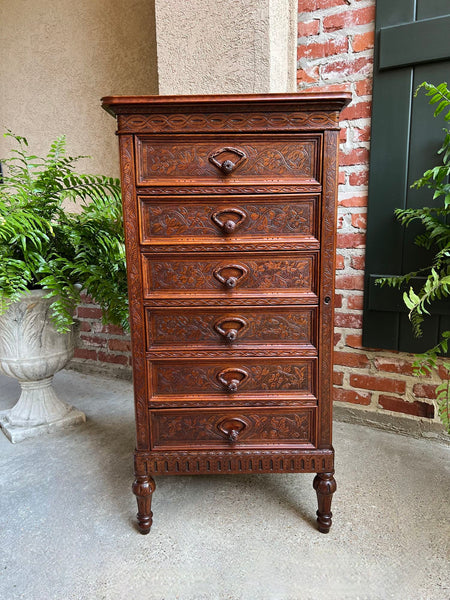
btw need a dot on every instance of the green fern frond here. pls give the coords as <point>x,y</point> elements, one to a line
<point>44,245</point>
<point>439,95</point>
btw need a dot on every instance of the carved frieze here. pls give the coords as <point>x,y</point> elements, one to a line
<point>235,461</point>
<point>198,122</point>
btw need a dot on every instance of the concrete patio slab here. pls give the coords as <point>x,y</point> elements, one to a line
<point>68,533</point>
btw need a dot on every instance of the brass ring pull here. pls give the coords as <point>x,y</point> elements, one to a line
<point>230,275</point>
<point>226,224</point>
<point>232,379</point>
<point>231,333</point>
<point>227,166</point>
<point>232,428</point>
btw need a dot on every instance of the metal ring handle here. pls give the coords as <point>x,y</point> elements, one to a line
<point>232,428</point>
<point>231,334</point>
<point>232,379</point>
<point>228,225</point>
<point>230,281</point>
<point>227,166</point>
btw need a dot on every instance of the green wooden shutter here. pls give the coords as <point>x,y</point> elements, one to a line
<point>412,45</point>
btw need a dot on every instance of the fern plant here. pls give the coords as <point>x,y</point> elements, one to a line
<point>435,236</point>
<point>44,244</point>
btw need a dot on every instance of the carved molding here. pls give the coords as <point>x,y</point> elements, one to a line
<point>174,190</point>
<point>244,247</point>
<point>256,352</point>
<point>327,279</point>
<point>270,400</point>
<point>263,301</point>
<point>134,289</point>
<point>235,461</point>
<point>275,121</point>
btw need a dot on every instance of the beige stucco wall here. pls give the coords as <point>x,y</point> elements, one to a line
<point>283,17</point>
<point>226,46</point>
<point>59,57</point>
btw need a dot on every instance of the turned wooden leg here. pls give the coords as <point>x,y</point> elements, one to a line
<point>325,486</point>
<point>143,488</point>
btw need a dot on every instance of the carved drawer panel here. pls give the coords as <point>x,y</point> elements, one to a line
<point>231,428</point>
<point>228,159</point>
<point>233,378</point>
<point>236,327</point>
<point>228,220</point>
<point>231,275</point>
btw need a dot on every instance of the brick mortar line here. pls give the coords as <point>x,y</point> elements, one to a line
<point>335,35</point>
<point>335,10</point>
<point>378,409</point>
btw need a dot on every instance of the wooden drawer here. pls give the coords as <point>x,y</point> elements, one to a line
<point>231,275</point>
<point>226,377</point>
<point>227,220</point>
<point>166,160</point>
<point>237,327</point>
<point>231,428</point>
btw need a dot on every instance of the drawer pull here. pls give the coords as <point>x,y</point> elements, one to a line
<point>226,165</point>
<point>231,333</point>
<point>231,428</point>
<point>230,275</point>
<point>228,225</point>
<point>231,379</point>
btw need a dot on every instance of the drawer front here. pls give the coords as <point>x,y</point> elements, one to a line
<point>232,328</point>
<point>236,379</point>
<point>232,275</point>
<point>227,160</point>
<point>232,428</point>
<point>228,219</point>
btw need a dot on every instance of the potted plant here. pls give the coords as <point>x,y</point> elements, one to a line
<point>436,276</point>
<point>60,233</point>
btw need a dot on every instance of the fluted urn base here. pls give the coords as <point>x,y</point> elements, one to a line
<point>32,351</point>
<point>38,411</point>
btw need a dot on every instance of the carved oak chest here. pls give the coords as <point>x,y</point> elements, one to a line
<point>230,209</point>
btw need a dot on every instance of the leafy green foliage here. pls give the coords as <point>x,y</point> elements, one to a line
<point>45,245</point>
<point>439,94</point>
<point>436,237</point>
<point>425,364</point>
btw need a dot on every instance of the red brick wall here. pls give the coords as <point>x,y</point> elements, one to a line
<point>335,52</point>
<point>100,348</point>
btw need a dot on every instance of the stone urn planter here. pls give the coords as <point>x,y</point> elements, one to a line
<point>32,351</point>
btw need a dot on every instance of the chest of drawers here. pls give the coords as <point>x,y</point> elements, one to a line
<point>230,217</point>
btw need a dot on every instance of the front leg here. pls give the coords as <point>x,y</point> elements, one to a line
<point>143,488</point>
<point>325,486</point>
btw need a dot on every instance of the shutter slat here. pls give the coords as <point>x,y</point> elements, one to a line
<point>402,45</point>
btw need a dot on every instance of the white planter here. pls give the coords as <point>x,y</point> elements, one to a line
<point>32,351</point>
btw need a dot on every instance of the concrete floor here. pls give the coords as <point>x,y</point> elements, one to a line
<point>67,518</point>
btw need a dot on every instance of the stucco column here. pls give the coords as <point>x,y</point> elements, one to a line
<point>226,46</point>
